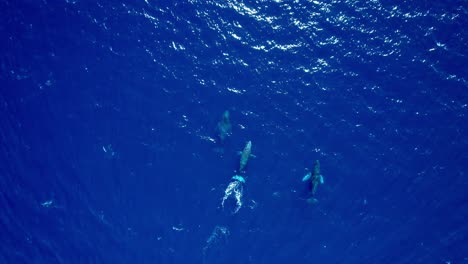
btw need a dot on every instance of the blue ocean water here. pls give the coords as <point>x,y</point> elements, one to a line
<point>109,150</point>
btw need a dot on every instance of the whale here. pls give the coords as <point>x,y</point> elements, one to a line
<point>224,126</point>
<point>245,155</point>
<point>315,179</point>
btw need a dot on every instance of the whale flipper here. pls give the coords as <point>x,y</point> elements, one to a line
<point>307,176</point>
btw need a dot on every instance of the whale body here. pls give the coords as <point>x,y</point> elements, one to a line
<point>245,155</point>
<point>224,126</point>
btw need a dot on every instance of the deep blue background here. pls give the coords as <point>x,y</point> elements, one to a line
<point>108,112</point>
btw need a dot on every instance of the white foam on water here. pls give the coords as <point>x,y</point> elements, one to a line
<point>234,189</point>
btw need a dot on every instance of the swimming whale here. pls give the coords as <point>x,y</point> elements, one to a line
<point>245,155</point>
<point>316,179</point>
<point>224,126</point>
